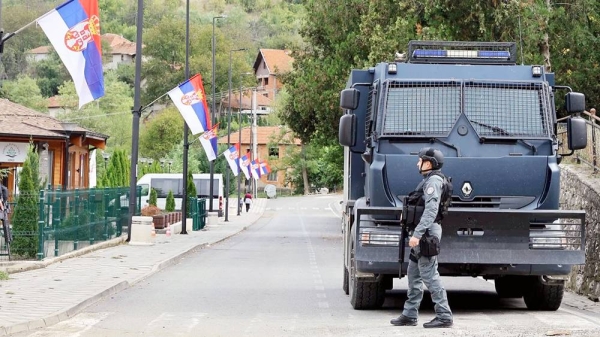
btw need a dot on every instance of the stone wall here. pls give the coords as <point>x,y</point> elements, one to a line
<point>580,189</point>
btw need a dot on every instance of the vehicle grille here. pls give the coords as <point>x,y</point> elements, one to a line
<point>478,202</point>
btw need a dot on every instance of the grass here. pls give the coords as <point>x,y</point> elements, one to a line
<point>3,275</point>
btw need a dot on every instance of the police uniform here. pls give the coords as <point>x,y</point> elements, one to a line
<point>425,269</point>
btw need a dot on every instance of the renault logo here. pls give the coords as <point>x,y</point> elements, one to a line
<point>467,189</point>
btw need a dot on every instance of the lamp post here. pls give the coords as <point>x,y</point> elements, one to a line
<point>105,155</point>
<point>212,111</point>
<point>229,136</point>
<point>68,127</point>
<point>239,178</point>
<point>170,163</point>
<point>162,164</point>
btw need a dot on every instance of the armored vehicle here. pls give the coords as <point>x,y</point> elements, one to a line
<point>495,122</point>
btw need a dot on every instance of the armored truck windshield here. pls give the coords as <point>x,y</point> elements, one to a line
<point>495,110</point>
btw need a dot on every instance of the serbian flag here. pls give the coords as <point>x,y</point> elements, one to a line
<point>255,169</point>
<point>264,168</point>
<point>232,156</point>
<point>73,28</point>
<point>209,143</point>
<point>245,165</point>
<point>190,100</point>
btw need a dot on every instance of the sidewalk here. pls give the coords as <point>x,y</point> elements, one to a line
<point>45,296</point>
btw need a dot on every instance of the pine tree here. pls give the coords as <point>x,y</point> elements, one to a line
<point>153,197</point>
<point>170,202</point>
<point>191,192</point>
<point>25,217</point>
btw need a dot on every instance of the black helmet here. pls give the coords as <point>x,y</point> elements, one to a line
<point>434,156</point>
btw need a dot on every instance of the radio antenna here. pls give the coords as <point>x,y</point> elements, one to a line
<point>521,39</point>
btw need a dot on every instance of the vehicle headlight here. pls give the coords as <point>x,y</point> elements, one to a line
<point>379,239</point>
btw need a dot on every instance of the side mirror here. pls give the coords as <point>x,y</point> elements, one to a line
<point>576,133</point>
<point>574,102</point>
<point>347,131</point>
<point>349,99</point>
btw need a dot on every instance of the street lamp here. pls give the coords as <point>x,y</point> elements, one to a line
<point>212,110</point>
<point>68,127</point>
<point>170,163</point>
<point>162,164</point>
<point>229,136</point>
<point>105,155</point>
<point>239,179</point>
<point>150,161</point>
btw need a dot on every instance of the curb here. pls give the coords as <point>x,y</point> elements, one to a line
<point>22,266</point>
<point>77,308</point>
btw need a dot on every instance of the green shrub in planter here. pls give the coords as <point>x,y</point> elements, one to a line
<point>153,197</point>
<point>170,202</point>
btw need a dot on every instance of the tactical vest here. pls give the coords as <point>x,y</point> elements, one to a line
<point>415,202</point>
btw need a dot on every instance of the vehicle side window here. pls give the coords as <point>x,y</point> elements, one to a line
<point>145,190</point>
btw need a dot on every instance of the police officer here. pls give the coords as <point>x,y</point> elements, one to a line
<point>422,269</point>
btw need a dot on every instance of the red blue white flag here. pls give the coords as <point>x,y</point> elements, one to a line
<point>232,155</point>
<point>73,28</point>
<point>209,143</point>
<point>264,168</point>
<point>190,99</point>
<point>245,165</point>
<point>255,169</point>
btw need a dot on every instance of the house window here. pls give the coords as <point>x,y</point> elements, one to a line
<point>272,176</point>
<point>274,152</point>
<point>266,81</point>
<point>266,94</point>
<point>264,65</point>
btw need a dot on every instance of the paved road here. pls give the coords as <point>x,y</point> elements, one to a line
<point>283,276</point>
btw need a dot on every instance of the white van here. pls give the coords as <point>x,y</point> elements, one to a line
<point>165,182</point>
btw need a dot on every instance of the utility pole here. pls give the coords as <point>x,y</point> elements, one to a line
<point>186,144</point>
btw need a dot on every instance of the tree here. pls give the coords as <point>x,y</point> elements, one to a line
<point>110,115</point>
<point>25,91</point>
<point>170,207</point>
<point>161,132</point>
<point>191,192</point>
<point>50,74</point>
<point>117,171</point>
<point>25,217</point>
<point>153,197</point>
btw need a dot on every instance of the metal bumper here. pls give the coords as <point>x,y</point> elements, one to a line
<point>480,241</point>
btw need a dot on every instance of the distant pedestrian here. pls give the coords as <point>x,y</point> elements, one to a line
<point>248,201</point>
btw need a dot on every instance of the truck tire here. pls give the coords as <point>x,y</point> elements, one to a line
<point>541,296</point>
<point>510,286</point>
<point>364,295</point>
<point>346,286</point>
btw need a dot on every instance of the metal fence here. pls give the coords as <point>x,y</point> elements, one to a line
<point>591,153</point>
<point>198,213</point>
<point>67,220</point>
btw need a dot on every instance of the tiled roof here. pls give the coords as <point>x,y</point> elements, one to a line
<point>40,50</point>
<point>17,120</point>
<point>54,102</point>
<point>264,135</point>
<point>278,61</point>
<point>119,45</point>
<point>261,100</point>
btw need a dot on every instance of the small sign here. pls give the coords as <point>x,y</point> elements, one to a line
<point>13,152</point>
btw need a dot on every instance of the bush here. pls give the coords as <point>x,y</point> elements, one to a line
<point>151,210</point>
<point>153,197</point>
<point>191,192</point>
<point>25,217</point>
<point>170,202</point>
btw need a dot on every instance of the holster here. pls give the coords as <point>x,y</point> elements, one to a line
<point>429,245</point>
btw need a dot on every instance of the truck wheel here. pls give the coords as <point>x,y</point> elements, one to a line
<point>364,295</point>
<point>510,286</point>
<point>541,296</point>
<point>345,286</point>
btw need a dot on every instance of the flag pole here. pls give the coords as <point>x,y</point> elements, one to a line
<point>186,144</point>
<point>136,111</point>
